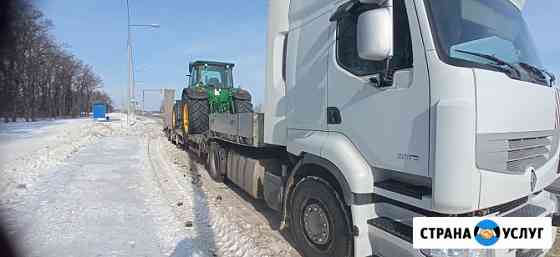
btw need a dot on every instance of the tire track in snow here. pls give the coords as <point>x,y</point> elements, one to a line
<point>234,225</point>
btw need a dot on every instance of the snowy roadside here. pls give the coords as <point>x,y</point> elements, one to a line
<point>224,220</point>
<point>90,187</point>
<point>30,148</point>
<point>51,178</point>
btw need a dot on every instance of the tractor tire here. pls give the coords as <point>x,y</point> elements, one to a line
<point>214,163</point>
<point>198,116</point>
<point>319,220</point>
<point>242,101</point>
<point>242,106</point>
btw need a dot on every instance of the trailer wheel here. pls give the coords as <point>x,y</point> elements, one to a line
<point>173,139</point>
<point>319,221</point>
<point>214,163</point>
<point>198,118</point>
<point>222,161</point>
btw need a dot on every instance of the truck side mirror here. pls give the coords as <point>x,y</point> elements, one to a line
<point>375,34</point>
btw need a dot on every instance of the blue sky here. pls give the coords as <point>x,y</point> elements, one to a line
<point>233,31</point>
<point>95,31</point>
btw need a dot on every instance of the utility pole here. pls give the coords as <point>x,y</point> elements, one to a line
<point>129,49</point>
<point>131,101</point>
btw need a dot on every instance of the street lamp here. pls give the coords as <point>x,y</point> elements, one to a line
<point>131,83</point>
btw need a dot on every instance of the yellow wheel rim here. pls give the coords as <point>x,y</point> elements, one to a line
<point>173,121</point>
<point>186,118</point>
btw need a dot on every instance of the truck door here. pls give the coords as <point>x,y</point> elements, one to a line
<point>308,45</point>
<point>387,121</point>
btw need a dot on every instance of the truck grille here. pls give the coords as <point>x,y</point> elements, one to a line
<point>527,152</point>
<point>528,210</point>
<point>515,152</point>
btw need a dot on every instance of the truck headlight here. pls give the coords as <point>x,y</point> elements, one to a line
<point>457,252</point>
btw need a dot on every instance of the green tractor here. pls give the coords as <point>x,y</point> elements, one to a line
<point>210,90</point>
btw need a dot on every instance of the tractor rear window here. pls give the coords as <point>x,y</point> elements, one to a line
<point>214,76</point>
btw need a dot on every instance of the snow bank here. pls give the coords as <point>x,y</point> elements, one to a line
<point>30,148</point>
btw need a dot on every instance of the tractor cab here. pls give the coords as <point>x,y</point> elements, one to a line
<point>211,74</point>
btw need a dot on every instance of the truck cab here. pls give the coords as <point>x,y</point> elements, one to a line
<point>414,108</point>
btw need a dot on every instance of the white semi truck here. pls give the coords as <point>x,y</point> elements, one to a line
<point>378,111</point>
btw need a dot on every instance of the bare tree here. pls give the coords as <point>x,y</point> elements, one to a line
<point>38,76</point>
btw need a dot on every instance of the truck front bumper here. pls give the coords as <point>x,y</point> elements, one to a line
<point>389,241</point>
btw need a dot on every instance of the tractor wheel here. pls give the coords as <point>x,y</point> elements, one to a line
<point>242,106</point>
<point>174,120</point>
<point>185,122</point>
<point>319,221</point>
<point>196,117</point>
<point>242,101</point>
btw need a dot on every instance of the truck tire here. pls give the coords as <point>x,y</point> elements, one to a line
<point>197,116</point>
<point>214,163</point>
<point>319,221</point>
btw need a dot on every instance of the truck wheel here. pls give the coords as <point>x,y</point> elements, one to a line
<point>197,116</point>
<point>242,106</point>
<point>319,221</point>
<point>214,164</point>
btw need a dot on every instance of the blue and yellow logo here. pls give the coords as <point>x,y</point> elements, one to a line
<point>487,232</point>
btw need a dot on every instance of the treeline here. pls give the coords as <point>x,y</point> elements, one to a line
<point>39,78</point>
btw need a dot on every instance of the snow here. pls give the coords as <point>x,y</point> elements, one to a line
<point>30,147</point>
<point>83,188</point>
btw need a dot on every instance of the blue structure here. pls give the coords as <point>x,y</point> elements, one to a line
<point>99,111</point>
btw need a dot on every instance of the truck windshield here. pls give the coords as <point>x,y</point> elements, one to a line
<point>487,28</point>
<point>214,76</point>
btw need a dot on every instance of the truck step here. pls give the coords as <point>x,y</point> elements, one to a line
<point>393,227</point>
<point>404,189</point>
